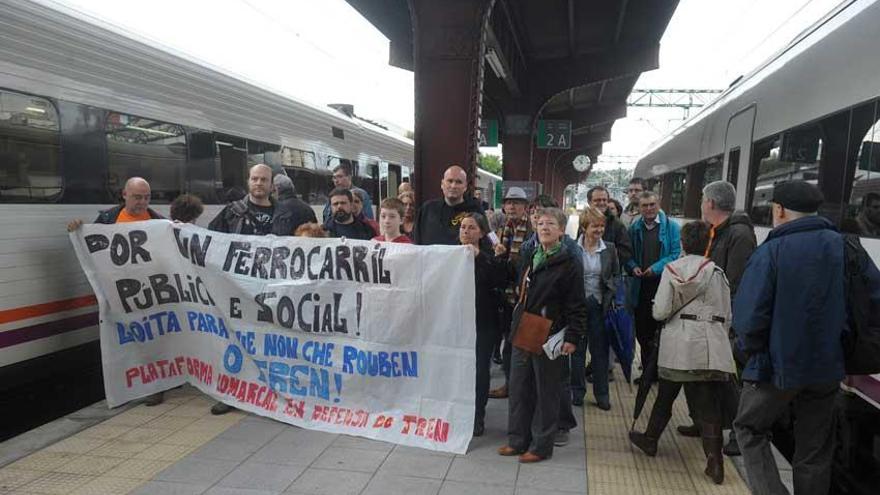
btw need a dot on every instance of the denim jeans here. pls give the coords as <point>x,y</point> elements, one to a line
<point>597,340</point>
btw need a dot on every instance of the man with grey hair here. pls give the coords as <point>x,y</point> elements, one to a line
<point>285,193</point>
<point>730,246</point>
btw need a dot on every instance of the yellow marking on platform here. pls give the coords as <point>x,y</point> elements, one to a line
<point>615,467</point>
<point>116,456</point>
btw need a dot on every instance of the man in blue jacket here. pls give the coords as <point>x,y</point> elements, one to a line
<point>656,240</point>
<point>789,313</point>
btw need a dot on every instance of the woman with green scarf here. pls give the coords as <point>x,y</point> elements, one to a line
<point>554,289</point>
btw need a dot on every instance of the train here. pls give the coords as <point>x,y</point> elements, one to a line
<point>809,112</point>
<point>83,106</point>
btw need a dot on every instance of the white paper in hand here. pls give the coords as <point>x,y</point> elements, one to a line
<point>553,346</point>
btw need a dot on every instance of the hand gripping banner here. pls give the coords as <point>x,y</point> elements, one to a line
<point>362,338</point>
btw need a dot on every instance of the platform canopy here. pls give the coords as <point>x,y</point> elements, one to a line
<point>520,63</point>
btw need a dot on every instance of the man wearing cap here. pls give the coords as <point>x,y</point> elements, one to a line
<point>788,314</point>
<point>510,239</point>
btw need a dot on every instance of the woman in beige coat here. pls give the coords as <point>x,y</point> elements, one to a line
<point>694,301</point>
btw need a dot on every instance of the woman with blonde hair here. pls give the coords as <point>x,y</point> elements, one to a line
<point>408,198</point>
<point>601,271</point>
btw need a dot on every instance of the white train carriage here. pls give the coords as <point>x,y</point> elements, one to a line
<point>83,106</point>
<point>810,112</point>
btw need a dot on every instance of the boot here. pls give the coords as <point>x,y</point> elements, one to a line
<point>712,442</point>
<point>647,441</point>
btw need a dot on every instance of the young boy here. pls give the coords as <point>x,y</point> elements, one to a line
<point>390,219</point>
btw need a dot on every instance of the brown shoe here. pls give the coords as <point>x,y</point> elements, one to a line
<point>530,457</point>
<point>508,451</point>
<point>499,393</point>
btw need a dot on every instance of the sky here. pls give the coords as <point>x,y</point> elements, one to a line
<point>323,51</point>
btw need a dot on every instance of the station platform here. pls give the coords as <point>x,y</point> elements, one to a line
<point>179,448</point>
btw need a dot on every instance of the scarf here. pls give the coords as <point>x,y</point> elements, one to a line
<point>542,256</point>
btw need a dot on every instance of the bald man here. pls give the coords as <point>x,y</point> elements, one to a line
<point>257,213</point>
<point>135,207</point>
<point>438,219</point>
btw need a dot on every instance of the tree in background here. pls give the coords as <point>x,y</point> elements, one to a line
<point>491,164</point>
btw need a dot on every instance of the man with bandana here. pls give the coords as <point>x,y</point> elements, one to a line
<point>438,219</point>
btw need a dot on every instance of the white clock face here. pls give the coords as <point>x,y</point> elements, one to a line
<point>581,163</point>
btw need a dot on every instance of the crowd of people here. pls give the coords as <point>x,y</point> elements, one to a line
<point>747,331</point>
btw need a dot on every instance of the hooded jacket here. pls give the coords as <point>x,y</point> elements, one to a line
<point>437,223</point>
<point>301,212</point>
<point>556,290</point>
<point>733,244</point>
<point>695,298</point>
<point>790,309</point>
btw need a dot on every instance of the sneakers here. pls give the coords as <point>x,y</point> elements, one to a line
<point>561,440</point>
<point>220,408</point>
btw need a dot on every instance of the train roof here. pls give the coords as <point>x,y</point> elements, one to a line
<point>59,52</point>
<point>828,67</point>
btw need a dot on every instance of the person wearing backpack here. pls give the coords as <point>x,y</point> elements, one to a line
<point>789,315</point>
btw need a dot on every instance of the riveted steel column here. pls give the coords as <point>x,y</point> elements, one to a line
<point>449,44</point>
<point>516,150</point>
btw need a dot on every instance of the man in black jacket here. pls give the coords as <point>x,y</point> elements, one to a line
<point>438,219</point>
<point>256,213</point>
<point>342,222</point>
<point>285,194</point>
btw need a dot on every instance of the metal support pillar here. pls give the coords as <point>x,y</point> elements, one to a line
<point>449,44</point>
<point>517,147</point>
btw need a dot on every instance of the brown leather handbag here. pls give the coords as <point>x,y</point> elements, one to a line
<point>532,330</point>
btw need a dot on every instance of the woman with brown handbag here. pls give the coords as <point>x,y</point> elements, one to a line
<point>551,298</point>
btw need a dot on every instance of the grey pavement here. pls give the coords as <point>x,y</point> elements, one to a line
<point>259,456</point>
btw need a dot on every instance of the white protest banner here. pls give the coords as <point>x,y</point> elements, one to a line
<point>363,338</point>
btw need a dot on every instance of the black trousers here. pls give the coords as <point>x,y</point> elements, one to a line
<point>703,397</point>
<point>504,333</point>
<point>646,325</point>
<point>486,339</point>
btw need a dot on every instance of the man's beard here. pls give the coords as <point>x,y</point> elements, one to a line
<point>342,216</point>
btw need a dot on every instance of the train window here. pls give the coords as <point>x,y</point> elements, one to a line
<point>257,151</point>
<point>791,155</point>
<point>233,166</point>
<point>732,167</point>
<point>29,149</point>
<point>862,213</point>
<point>713,172</point>
<point>311,186</point>
<point>674,188</point>
<point>138,147</point>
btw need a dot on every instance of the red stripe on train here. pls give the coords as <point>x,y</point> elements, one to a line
<point>25,312</point>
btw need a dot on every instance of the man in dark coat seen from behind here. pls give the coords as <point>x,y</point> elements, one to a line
<point>285,193</point>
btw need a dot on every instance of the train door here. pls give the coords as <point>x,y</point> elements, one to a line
<point>738,146</point>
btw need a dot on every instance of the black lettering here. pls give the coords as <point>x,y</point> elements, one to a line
<point>279,254</point>
<point>127,288</point>
<point>235,247</point>
<point>199,251</point>
<point>305,327</point>
<point>97,242</point>
<point>234,309</point>
<point>312,252</point>
<point>297,264</point>
<point>361,272</point>
<point>261,256</point>
<point>384,275</point>
<point>138,238</point>
<point>119,250</point>
<point>342,255</point>
<point>164,291</point>
<point>327,268</point>
<point>265,312</point>
<point>285,312</point>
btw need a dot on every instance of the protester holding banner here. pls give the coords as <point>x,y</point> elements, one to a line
<point>438,219</point>
<point>186,208</point>
<point>489,278</point>
<point>390,221</point>
<point>257,213</point>
<point>343,222</point>
<point>551,300</point>
<point>135,208</point>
